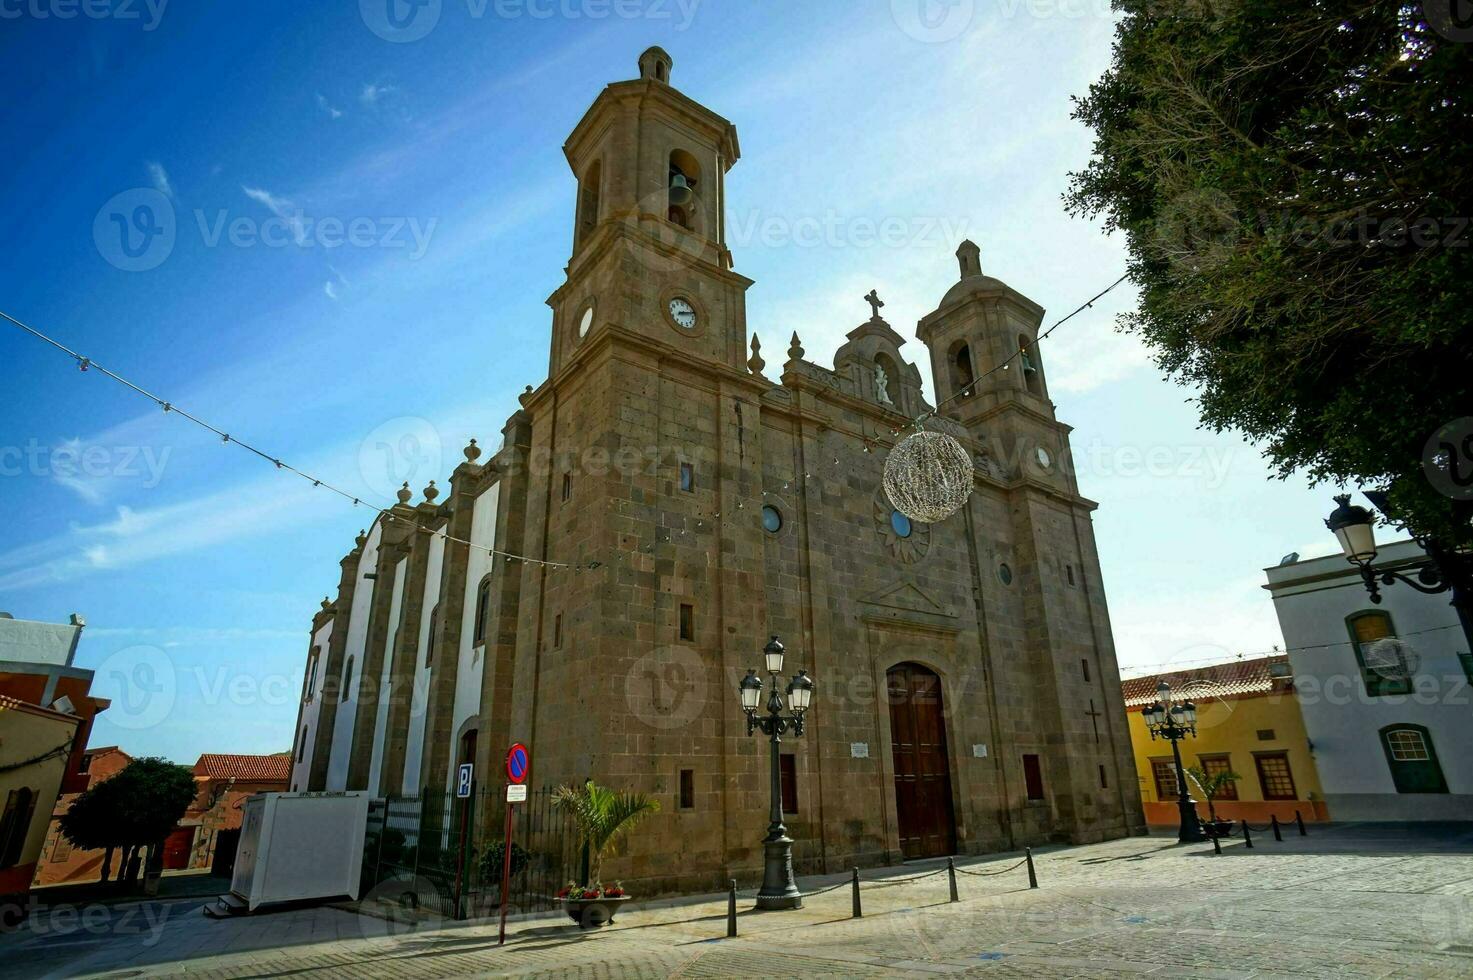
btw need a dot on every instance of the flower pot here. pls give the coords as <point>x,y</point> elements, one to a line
<point>593,913</point>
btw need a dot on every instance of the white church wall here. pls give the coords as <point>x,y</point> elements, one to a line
<point>419,702</point>
<point>386,693</point>
<point>342,733</point>
<point>311,707</point>
<point>472,656</point>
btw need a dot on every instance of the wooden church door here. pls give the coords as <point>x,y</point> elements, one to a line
<point>922,770</point>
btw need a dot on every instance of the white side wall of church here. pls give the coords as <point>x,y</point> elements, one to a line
<point>342,733</point>
<point>472,655</point>
<point>418,713</point>
<point>381,719</point>
<point>311,707</point>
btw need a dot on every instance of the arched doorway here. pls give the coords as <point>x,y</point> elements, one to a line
<point>922,770</point>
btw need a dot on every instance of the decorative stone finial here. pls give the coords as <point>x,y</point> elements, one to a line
<point>755,363</point>
<point>970,258</point>
<point>326,603</point>
<point>655,64</point>
<point>525,396</point>
<point>431,492</point>
<point>472,452</point>
<point>405,493</point>
<point>362,538</point>
<point>795,349</point>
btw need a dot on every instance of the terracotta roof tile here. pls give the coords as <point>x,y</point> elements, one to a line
<point>255,768</point>
<point>1236,678</point>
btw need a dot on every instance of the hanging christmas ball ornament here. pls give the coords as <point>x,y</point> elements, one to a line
<point>928,476</point>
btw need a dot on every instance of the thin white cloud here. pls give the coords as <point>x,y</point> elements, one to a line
<point>330,290</point>
<point>333,112</point>
<point>160,178</point>
<point>372,94</point>
<point>281,207</point>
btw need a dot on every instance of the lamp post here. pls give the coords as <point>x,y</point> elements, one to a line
<point>1174,722</point>
<point>779,889</point>
<point>1446,570</point>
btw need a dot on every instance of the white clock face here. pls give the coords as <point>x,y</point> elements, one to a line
<point>683,313</point>
<point>586,322</point>
<point>1044,459</point>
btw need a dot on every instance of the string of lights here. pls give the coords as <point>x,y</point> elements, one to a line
<point>85,363</point>
<point>1141,670</point>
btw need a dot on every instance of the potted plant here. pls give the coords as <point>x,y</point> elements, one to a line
<point>602,817</point>
<point>1210,786</point>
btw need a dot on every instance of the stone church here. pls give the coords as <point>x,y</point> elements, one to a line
<point>694,500</point>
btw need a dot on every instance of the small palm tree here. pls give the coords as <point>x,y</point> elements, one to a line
<point>1211,785</point>
<point>603,818</point>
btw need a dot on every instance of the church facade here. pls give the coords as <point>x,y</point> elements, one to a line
<point>692,501</point>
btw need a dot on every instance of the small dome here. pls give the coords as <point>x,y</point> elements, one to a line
<point>970,286</point>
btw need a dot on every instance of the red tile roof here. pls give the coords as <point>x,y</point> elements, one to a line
<point>251,768</point>
<point>1236,678</point>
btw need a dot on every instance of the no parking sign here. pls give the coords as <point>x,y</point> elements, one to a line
<point>518,762</point>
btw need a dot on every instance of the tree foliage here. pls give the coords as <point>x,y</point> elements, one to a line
<point>138,806</point>
<point>1291,180</point>
<point>603,817</point>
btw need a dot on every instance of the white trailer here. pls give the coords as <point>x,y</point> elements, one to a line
<point>297,847</point>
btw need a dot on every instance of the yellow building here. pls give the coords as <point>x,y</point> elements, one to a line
<point>1248,721</point>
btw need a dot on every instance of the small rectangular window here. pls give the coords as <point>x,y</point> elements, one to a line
<point>1033,777</point>
<point>687,789</point>
<point>567,486</point>
<point>687,478</point>
<point>687,621</point>
<point>788,770</point>
<point>1214,764</point>
<point>557,630</point>
<point>483,599</point>
<point>1084,666</point>
<point>1104,782</point>
<point>1274,776</point>
<point>1265,734</point>
<point>1163,772</point>
<point>1070,570</point>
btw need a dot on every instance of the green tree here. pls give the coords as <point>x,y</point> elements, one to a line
<point>90,823</point>
<point>1290,180</point>
<point>134,809</point>
<point>603,817</point>
<point>1211,786</point>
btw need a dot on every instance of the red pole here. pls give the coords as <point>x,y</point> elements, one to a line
<point>505,874</point>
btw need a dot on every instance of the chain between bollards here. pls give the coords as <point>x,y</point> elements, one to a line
<point>951,877</point>
<point>1032,875</point>
<point>731,911</point>
<point>855,885</point>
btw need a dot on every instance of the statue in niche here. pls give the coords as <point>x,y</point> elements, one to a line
<point>882,385</point>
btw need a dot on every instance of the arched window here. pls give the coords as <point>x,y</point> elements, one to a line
<point>962,374</point>
<point>15,825</point>
<point>434,636</point>
<point>311,680</point>
<point>348,679</point>
<point>1382,675</point>
<point>1031,364</point>
<point>588,200</point>
<point>1413,760</point>
<point>483,601</point>
<point>684,178</point>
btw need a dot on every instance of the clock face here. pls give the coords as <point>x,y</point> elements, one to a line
<point>586,322</point>
<point>683,313</point>
<point>1044,459</point>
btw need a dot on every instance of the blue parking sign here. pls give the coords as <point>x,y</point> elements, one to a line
<point>463,780</point>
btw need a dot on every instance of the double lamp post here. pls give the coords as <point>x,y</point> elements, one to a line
<point>779,889</point>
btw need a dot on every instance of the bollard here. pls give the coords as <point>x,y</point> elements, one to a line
<point>1247,837</point>
<point>855,890</point>
<point>1274,819</point>
<point>1299,819</point>
<point>951,877</point>
<point>1216,845</point>
<point>731,911</point>
<point>1032,875</point>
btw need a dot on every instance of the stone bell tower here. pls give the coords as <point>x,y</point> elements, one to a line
<point>649,237</point>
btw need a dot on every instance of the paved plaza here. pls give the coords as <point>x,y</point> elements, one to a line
<point>1349,901</point>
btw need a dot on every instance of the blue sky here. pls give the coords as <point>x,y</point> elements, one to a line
<point>365,229</point>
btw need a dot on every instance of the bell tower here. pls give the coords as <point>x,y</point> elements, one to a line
<point>649,236</point>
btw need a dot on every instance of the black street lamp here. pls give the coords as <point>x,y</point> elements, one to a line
<point>1175,722</point>
<point>1446,569</point>
<point>779,889</point>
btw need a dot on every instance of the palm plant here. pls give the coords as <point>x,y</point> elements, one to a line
<point>1211,785</point>
<point>603,818</point>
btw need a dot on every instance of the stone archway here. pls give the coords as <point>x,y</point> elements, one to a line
<point>923,803</point>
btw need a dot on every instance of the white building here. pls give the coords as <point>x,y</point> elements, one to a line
<point>1390,724</point>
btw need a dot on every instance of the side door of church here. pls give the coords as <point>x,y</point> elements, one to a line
<point>922,771</point>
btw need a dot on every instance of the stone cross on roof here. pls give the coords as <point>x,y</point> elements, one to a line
<point>873,299</point>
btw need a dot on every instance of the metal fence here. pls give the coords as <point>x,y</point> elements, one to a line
<point>413,856</point>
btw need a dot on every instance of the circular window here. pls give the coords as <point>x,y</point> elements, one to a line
<point>772,519</point>
<point>586,321</point>
<point>1044,459</point>
<point>1005,574</point>
<point>900,524</point>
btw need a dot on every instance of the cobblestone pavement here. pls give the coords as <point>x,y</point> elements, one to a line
<point>1345,902</point>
